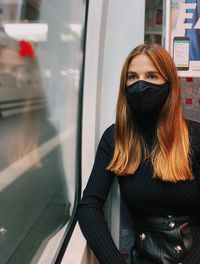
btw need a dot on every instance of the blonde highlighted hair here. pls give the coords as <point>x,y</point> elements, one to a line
<point>171,154</point>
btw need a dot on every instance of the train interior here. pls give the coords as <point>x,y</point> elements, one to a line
<point>60,64</point>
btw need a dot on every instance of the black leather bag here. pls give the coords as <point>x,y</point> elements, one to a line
<point>163,240</point>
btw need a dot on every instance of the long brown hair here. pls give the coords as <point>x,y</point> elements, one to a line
<point>171,154</point>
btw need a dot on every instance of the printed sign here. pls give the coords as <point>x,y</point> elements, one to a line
<point>185,36</point>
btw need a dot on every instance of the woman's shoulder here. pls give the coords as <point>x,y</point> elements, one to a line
<point>193,127</point>
<point>194,135</point>
<point>107,139</point>
<point>109,131</point>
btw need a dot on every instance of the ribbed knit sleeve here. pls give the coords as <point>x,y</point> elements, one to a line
<point>90,212</point>
<point>193,256</point>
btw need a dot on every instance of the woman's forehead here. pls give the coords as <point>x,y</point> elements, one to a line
<point>142,62</point>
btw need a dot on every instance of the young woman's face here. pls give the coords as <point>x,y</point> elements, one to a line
<point>142,68</point>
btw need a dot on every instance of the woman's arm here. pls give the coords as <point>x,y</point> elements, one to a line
<point>90,213</point>
<point>193,255</point>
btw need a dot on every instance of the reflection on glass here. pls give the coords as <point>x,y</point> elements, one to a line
<point>40,67</point>
<point>14,70</point>
<point>34,202</point>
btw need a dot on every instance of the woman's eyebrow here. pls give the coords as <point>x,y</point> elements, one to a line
<point>145,72</point>
<point>132,72</point>
<point>153,72</point>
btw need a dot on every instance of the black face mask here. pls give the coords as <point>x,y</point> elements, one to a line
<point>145,96</point>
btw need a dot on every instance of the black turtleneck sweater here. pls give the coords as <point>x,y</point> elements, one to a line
<point>141,193</point>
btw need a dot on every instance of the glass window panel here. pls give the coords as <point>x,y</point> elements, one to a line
<point>40,67</point>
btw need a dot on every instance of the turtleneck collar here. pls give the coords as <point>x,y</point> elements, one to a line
<point>147,124</point>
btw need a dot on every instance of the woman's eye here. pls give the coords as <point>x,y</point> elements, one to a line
<point>152,76</point>
<point>132,77</point>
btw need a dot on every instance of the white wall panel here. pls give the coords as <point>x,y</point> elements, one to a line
<point>115,27</point>
<point>123,32</point>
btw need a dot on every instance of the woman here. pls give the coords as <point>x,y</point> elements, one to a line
<point>155,154</point>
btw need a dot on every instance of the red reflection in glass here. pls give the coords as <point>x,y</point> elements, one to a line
<point>26,49</point>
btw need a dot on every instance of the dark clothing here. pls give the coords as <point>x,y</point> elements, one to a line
<point>163,239</point>
<point>141,193</point>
